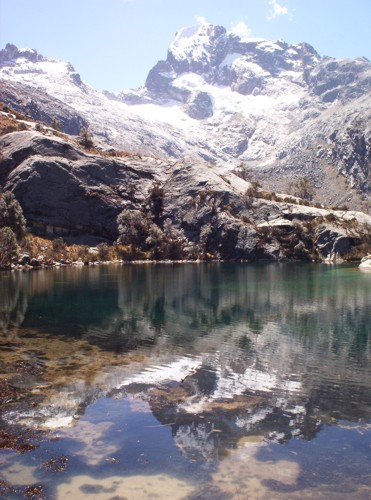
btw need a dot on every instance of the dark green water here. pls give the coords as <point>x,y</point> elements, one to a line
<point>210,381</point>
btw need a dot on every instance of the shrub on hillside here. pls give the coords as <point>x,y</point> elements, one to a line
<point>85,138</point>
<point>8,247</point>
<point>138,230</point>
<point>132,227</point>
<point>11,214</point>
<point>58,249</point>
<point>155,201</point>
<point>103,251</point>
<point>175,241</point>
<point>302,188</point>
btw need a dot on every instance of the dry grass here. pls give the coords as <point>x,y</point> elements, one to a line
<point>9,124</point>
<point>49,251</point>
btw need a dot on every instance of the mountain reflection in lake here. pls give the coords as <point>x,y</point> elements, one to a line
<point>210,381</point>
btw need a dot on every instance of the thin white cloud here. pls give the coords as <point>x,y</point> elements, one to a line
<point>201,20</point>
<point>241,29</point>
<point>278,10</point>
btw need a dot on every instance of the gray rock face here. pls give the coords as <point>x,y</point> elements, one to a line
<point>41,107</point>
<point>332,241</point>
<point>334,151</point>
<point>12,52</point>
<point>159,77</point>
<point>199,105</point>
<point>66,192</point>
<point>339,79</point>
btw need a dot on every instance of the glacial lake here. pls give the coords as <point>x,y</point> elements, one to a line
<point>186,381</point>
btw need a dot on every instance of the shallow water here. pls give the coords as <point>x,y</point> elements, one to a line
<point>210,381</point>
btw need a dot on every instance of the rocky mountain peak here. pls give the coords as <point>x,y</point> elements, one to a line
<point>223,58</point>
<point>25,64</point>
<point>203,47</point>
<point>198,47</point>
<point>12,53</point>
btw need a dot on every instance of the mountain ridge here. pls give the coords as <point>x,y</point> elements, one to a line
<point>280,110</point>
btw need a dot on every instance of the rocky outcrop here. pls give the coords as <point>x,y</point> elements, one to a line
<point>66,191</point>
<point>335,152</point>
<point>41,107</point>
<point>199,105</point>
<point>159,77</point>
<point>343,79</point>
<point>366,263</point>
<point>332,242</point>
<point>12,52</point>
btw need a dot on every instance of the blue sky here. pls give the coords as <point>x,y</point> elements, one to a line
<point>114,43</point>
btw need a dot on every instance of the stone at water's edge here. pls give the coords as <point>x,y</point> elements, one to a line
<point>366,263</point>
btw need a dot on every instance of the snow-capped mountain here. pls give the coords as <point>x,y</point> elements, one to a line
<point>282,110</point>
<point>110,121</point>
<point>249,93</point>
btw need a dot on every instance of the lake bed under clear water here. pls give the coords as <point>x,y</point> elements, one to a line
<point>186,381</point>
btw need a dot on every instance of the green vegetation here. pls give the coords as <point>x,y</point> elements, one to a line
<point>12,228</point>
<point>86,138</point>
<point>11,215</point>
<point>145,239</point>
<point>8,247</point>
<point>147,234</point>
<point>302,188</point>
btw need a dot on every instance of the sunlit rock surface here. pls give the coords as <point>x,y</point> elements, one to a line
<point>365,263</point>
<point>66,191</point>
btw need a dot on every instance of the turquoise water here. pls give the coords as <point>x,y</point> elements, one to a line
<point>210,381</point>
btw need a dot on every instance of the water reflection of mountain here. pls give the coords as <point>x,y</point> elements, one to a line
<point>220,351</point>
<point>13,302</point>
<point>308,301</point>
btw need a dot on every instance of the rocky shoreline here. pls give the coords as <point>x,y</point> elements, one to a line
<point>365,263</point>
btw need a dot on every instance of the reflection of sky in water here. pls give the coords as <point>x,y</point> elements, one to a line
<point>176,376</point>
